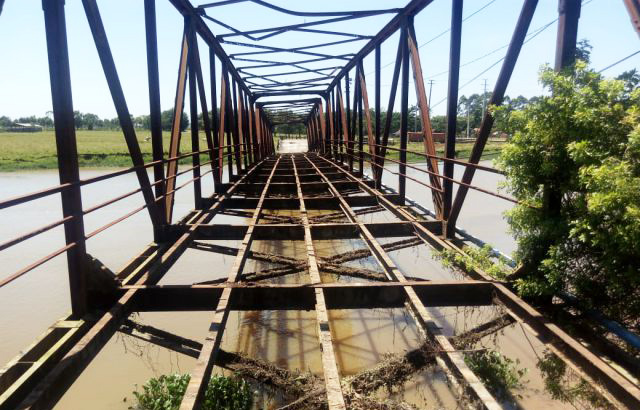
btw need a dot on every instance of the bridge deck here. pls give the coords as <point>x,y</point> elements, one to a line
<point>67,348</point>
<point>305,197</point>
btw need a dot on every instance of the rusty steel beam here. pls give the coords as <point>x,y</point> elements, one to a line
<point>633,7</point>
<point>66,148</point>
<point>591,367</point>
<point>452,109</point>
<point>223,126</point>
<point>126,123</point>
<point>193,111</point>
<point>206,121</point>
<point>567,37</point>
<point>293,296</point>
<point>371,137</point>
<point>204,365</point>
<point>68,360</point>
<point>217,145</point>
<point>411,9</point>
<point>449,359</point>
<point>335,398</point>
<point>174,141</point>
<point>155,111</point>
<point>519,34</point>
<point>425,119</point>
<point>387,125</point>
<point>283,231</point>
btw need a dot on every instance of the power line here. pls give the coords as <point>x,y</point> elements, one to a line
<point>619,61</point>
<point>464,19</point>
<point>443,33</point>
<point>530,35</point>
<point>533,35</point>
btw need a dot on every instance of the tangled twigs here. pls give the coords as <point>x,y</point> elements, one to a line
<point>364,253</point>
<point>291,265</point>
<point>292,384</point>
<point>307,390</point>
<point>269,217</point>
<point>396,369</point>
<point>339,214</point>
<point>352,272</point>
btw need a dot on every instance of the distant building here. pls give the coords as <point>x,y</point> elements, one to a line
<point>23,127</point>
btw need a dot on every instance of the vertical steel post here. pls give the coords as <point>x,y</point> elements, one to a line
<point>176,134</point>
<point>61,96</point>
<point>193,110</point>
<point>568,16</point>
<point>517,40</point>
<point>404,113</point>
<point>327,123</point>
<point>349,136</point>
<point>227,120</point>
<point>155,114</point>
<point>376,149</point>
<point>452,110</point>
<point>217,167</point>
<point>354,117</point>
<point>236,136</point>
<point>389,114</point>
<point>360,122</point>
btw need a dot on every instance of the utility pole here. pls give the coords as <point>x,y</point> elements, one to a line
<point>484,99</point>
<point>430,88</point>
<point>468,120</point>
<point>428,101</point>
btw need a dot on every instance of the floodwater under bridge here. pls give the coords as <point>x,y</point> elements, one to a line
<point>300,265</point>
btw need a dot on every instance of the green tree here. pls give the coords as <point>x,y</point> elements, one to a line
<point>90,120</point>
<point>5,122</point>
<point>583,142</point>
<point>167,120</point>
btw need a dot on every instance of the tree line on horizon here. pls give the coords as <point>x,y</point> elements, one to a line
<point>470,113</point>
<point>89,121</point>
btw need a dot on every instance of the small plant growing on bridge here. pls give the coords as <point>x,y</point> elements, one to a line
<point>497,372</point>
<point>564,385</point>
<point>166,391</point>
<point>475,258</point>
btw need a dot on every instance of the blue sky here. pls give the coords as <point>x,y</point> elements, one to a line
<point>24,81</point>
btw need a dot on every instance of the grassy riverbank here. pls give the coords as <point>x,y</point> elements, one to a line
<point>107,149</point>
<point>29,151</point>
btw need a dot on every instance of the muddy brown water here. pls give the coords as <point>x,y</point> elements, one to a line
<point>288,338</point>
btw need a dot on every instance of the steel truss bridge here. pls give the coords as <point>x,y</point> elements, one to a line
<point>341,174</point>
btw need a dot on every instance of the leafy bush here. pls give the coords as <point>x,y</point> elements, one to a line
<point>476,258</point>
<point>568,387</point>
<point>166,391</point>
<point>496,371</point>
<point>576,157</point>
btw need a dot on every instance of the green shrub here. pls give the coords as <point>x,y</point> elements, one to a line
<point>576,158</point>
<point>475,258</point>
<point>564,385</point>
<point>165,393</point>
<point>496,371</point>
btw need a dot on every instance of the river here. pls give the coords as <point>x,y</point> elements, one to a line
<point>361,337</point>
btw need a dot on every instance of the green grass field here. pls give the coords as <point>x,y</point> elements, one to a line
<point>463,150</point>
<point>30,151</point>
